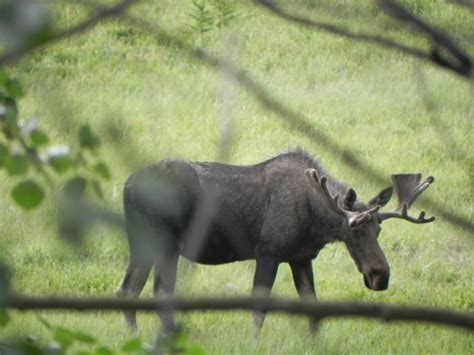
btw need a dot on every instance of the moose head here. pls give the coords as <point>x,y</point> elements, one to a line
<point>364,219</point>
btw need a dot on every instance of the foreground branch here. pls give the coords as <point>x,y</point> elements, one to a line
<point>319,310</point>
<point>459,62</point>
<point>339,31</point>
<point>104,13</point>
<point>456,59</point>
<point>465,3</point>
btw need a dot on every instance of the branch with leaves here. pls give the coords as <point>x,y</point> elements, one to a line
<point>64,339</point>
<point>44,35</point>
<point>25,147</point>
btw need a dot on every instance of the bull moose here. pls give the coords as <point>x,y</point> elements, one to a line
<point>285,209</point>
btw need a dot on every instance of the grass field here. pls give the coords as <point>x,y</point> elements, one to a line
<point>149,101</point>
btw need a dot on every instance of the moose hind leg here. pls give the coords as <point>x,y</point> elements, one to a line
<point>132,284</point>
<point>264,278</point>
<point>165,281</point>
<point>304,282</point>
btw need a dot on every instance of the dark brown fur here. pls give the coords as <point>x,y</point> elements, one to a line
<point>215,213</point>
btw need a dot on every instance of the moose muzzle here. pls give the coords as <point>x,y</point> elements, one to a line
<point>377,279</point>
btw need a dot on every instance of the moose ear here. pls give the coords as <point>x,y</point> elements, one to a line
<point>350,199</point>
<point>382,198</point>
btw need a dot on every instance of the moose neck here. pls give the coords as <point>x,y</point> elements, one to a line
<point>330,227</point>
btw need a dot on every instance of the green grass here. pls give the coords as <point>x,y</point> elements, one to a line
<point>150,101</point>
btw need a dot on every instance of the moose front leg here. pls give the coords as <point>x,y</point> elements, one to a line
<point>304,282</point>
<point>264,278</point>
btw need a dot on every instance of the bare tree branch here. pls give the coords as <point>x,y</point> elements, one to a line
<point>442,127</point>
<point>317,310</point>
<point>227,94</point>
<point>363,37</point>
<point>463,67</point>
<point>465,3</point>
<point>102,14</point>
<point>464,63</point>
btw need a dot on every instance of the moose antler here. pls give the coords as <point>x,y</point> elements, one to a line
<point>354,218</point>
<point>408,188</point>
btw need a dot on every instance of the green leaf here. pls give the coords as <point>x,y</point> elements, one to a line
<point>3,154</point>
<point>63,336</point>
<point>61,163</point>
<point>40,36</point>
<point>29,349</point>
<point>4,318</point>
<point>44,322</point>
<point>87,138</point>
<point>59,158</point>
<point>180,342</point>
<point>14,89</point>
<point>4,77</point>
<point>38,138</point>
<point>74,188</point>
<point>8,115</point>
<point>195,350</point>
<point>16,164</point>
<point>66,337</point>
<point>83,337</point>
<point>97,189</point>
<point>103,350</point>
<point>28,194</point>
<point>103,170</point>
<point>5,277</point>
<point>73,220</point>
<point>132,345</point>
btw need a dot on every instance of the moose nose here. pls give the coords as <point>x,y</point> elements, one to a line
<point>377,280</point>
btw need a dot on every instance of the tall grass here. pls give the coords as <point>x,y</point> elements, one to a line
<point>151,102</point>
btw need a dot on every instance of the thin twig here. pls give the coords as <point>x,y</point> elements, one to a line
<point>330,28</point>
<point>463,63</point>
<point>37,162</point>
<point>440,126</point>
<point>465,3</point>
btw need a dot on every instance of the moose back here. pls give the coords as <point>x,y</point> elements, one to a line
<point>285,209</point>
